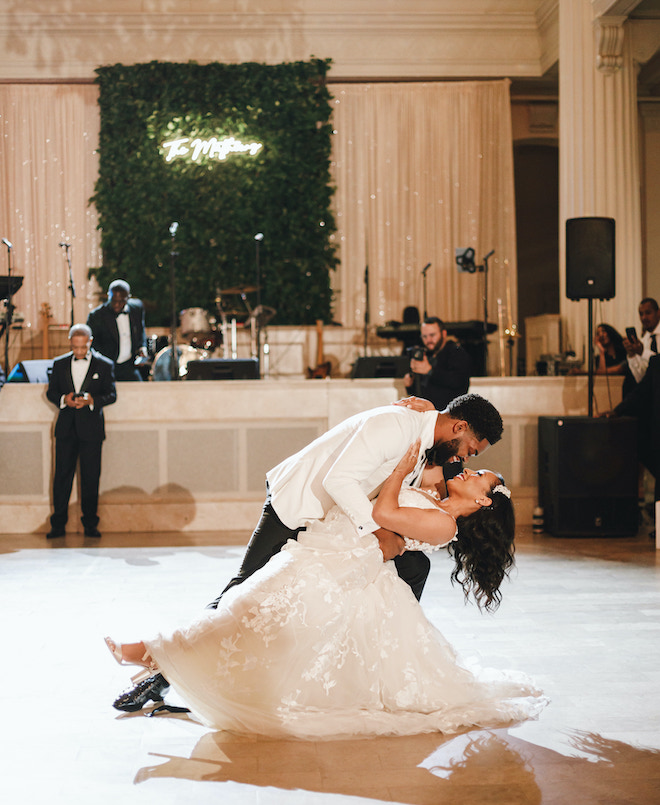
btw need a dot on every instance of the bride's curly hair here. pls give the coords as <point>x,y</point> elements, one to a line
<point>484,550</point>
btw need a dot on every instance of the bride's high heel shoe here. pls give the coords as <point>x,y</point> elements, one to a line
<point>149,667</point>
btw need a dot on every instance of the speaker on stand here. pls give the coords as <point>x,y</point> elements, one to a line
<point>590,273</point>
<point>588,466</point>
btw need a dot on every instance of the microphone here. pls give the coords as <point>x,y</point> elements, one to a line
<point>259,236</point>
<point>173,228</point>
<point>426,268</point>
<point>490,254</point>
<point>66,245</point>
<point>7,243</point>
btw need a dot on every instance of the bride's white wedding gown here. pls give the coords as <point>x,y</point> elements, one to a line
<point>327,641</point>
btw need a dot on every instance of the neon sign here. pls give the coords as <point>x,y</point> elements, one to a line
<point>211,148</point>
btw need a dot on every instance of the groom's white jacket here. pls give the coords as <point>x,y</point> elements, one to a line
<point>348,465</point>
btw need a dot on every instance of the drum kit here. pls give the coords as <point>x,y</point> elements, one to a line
<point>207,337</point>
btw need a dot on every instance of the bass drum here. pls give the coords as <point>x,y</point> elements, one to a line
<point>161,368</point>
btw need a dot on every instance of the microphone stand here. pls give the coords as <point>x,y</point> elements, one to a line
<point>257,242</point>
<point>424,270</point>
<point>10,307</point>
<point>590,367</point>
<point>174,362</point>
<point>484,268</point>
<point>72,287</point>
<point>366,308</point>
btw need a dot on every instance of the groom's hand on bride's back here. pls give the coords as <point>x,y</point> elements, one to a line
<point>416,403</point>
<point>391,543</point>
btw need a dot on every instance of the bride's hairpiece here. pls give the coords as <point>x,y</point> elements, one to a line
<point>503,489</point>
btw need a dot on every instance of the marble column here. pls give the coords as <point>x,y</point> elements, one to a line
<point>599,156</point>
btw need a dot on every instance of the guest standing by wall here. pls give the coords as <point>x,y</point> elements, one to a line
<point>81,384</point>
<point>118,330</point>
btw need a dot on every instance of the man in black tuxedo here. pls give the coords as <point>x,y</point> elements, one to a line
<point>81,384</point>
<point>118,330</point>
<point>643,403</point>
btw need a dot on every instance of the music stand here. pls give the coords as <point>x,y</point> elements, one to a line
<point>9,285</point>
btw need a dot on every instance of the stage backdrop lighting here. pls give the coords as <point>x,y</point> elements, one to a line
<point>226,151</point>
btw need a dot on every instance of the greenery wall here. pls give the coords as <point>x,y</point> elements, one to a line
<point>283,191</point>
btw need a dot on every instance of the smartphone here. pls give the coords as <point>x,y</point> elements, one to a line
<point>631,335</point>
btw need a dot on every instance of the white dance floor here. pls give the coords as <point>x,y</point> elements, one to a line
<point>582,616</point>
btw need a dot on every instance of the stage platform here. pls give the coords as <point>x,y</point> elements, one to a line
<point>192,455</point>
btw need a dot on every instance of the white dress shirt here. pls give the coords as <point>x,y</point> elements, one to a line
<point>124,330</point>
<point>640,363</point>
<point>79,369</point>
<point>348,465</point>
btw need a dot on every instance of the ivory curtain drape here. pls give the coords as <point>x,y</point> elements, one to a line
<point>421,169</point>
<point>48,166</point>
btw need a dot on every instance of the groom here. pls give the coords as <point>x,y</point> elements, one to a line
<point>347,466</point>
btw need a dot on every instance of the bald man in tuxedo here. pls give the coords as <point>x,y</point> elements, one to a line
<point>118,330</point>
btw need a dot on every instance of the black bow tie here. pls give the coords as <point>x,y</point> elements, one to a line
<point>80,359</point>
<point>121,313</point>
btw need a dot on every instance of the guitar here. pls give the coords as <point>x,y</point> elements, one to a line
<point>45,313</point>
<point>322,369</point>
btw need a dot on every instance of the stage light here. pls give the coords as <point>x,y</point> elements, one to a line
<point>465,260</point>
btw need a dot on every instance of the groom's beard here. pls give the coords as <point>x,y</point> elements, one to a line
<point>442,451</point>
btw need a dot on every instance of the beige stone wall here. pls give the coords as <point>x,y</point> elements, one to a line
<point>193,456</point>
<point>387,39</point>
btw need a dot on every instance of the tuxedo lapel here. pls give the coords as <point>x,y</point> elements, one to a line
<point>88,376</point>
<point>135,318</point>
<point>111,324</point>
<point>67,374</point>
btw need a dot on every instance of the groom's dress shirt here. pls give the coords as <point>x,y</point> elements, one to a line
<point>348,465</point>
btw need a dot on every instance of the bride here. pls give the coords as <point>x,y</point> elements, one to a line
<point>327,641</point>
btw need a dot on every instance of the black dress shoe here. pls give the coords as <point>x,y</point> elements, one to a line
<point>92,532</point>
<point>54,533</point>
<point>149,690</point>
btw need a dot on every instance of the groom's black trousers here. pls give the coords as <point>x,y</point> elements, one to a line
<point>271,535</point>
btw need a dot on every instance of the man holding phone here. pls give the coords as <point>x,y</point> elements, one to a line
<point>81,384</point>
<point>640,350</point>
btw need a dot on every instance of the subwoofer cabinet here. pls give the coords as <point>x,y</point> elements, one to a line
<point>588,471</point>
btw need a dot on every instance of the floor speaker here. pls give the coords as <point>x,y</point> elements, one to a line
<point>381,366</point>
<point>31,372</point>
<point>588,476</point>
<point>590,258</point>
<point>224,369</point>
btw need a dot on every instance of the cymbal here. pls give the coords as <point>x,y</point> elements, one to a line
<point>239,290</point>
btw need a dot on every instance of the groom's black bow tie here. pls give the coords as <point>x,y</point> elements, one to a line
<point>123,312</point>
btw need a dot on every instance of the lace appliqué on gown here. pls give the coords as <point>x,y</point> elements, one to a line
<point>326,641</point>
<point>423,499</point>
